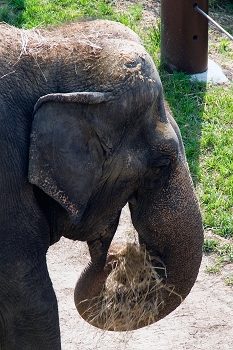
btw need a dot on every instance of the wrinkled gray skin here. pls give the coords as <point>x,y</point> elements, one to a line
<point>83,131</point>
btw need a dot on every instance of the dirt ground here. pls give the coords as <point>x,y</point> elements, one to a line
<point>203,321</point>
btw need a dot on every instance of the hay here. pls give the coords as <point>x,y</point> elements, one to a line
<point>132,296</point>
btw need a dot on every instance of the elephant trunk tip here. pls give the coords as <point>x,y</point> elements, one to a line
<point>133,293</point>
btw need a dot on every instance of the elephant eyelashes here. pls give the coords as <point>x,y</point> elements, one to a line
<point>153,177</point>
<point>157,165</point>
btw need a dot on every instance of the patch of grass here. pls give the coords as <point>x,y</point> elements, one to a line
<point>215,187</point>
<point>223,255</point>
<point>11,11</point>
<point>130,17</point>
<point>222,47</point>
<point>151,38</point>
<point>210,245</point>
<point>229,280</point>
<point>52,12</point>
<point>221,4</point>
<point>223,252</point>
<point>216,268</point>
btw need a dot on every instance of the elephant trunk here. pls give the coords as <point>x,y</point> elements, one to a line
<point>169,224</point>
<point>87,290</point>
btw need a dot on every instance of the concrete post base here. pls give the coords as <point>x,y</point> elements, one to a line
<point>213,74</point>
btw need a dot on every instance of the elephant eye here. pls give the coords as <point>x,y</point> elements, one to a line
<point>155,170</point>
<point>158,170</point>
<point>163,161</point>
<point>156,166</point>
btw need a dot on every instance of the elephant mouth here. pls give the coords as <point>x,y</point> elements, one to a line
<point>132,293</point>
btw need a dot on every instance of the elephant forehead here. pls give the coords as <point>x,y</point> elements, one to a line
<point>115,59</point>
<point>105,56</point>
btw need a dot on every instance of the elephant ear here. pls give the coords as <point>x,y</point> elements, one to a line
<point>65,155</point>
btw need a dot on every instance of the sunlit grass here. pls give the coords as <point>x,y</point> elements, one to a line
<point>223,255</point>
<point>215,188</point>
<point>50,12</point>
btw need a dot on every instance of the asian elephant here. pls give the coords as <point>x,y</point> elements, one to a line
<point>83,131</point>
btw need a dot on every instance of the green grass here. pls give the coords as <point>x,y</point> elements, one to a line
<point>11,11</point>
<point>223,253</point>
<point>215,186</point>
<point>223,4</point>
<point>229,280</point>
<point>203,113</point>
<point>53,12</point>
<point>32,13</point>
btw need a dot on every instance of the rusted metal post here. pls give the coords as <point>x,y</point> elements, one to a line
<point>184,36</point>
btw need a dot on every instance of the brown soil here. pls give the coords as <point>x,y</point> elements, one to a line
<point>203,321</point>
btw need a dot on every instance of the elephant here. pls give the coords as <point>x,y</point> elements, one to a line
<point>84,131</point>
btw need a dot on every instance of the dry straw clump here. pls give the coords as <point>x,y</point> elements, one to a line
<point>132,296</point>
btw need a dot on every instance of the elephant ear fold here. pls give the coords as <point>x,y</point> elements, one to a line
<point>65,155</point>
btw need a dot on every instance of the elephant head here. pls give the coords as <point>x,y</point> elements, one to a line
<point>102,145</point>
